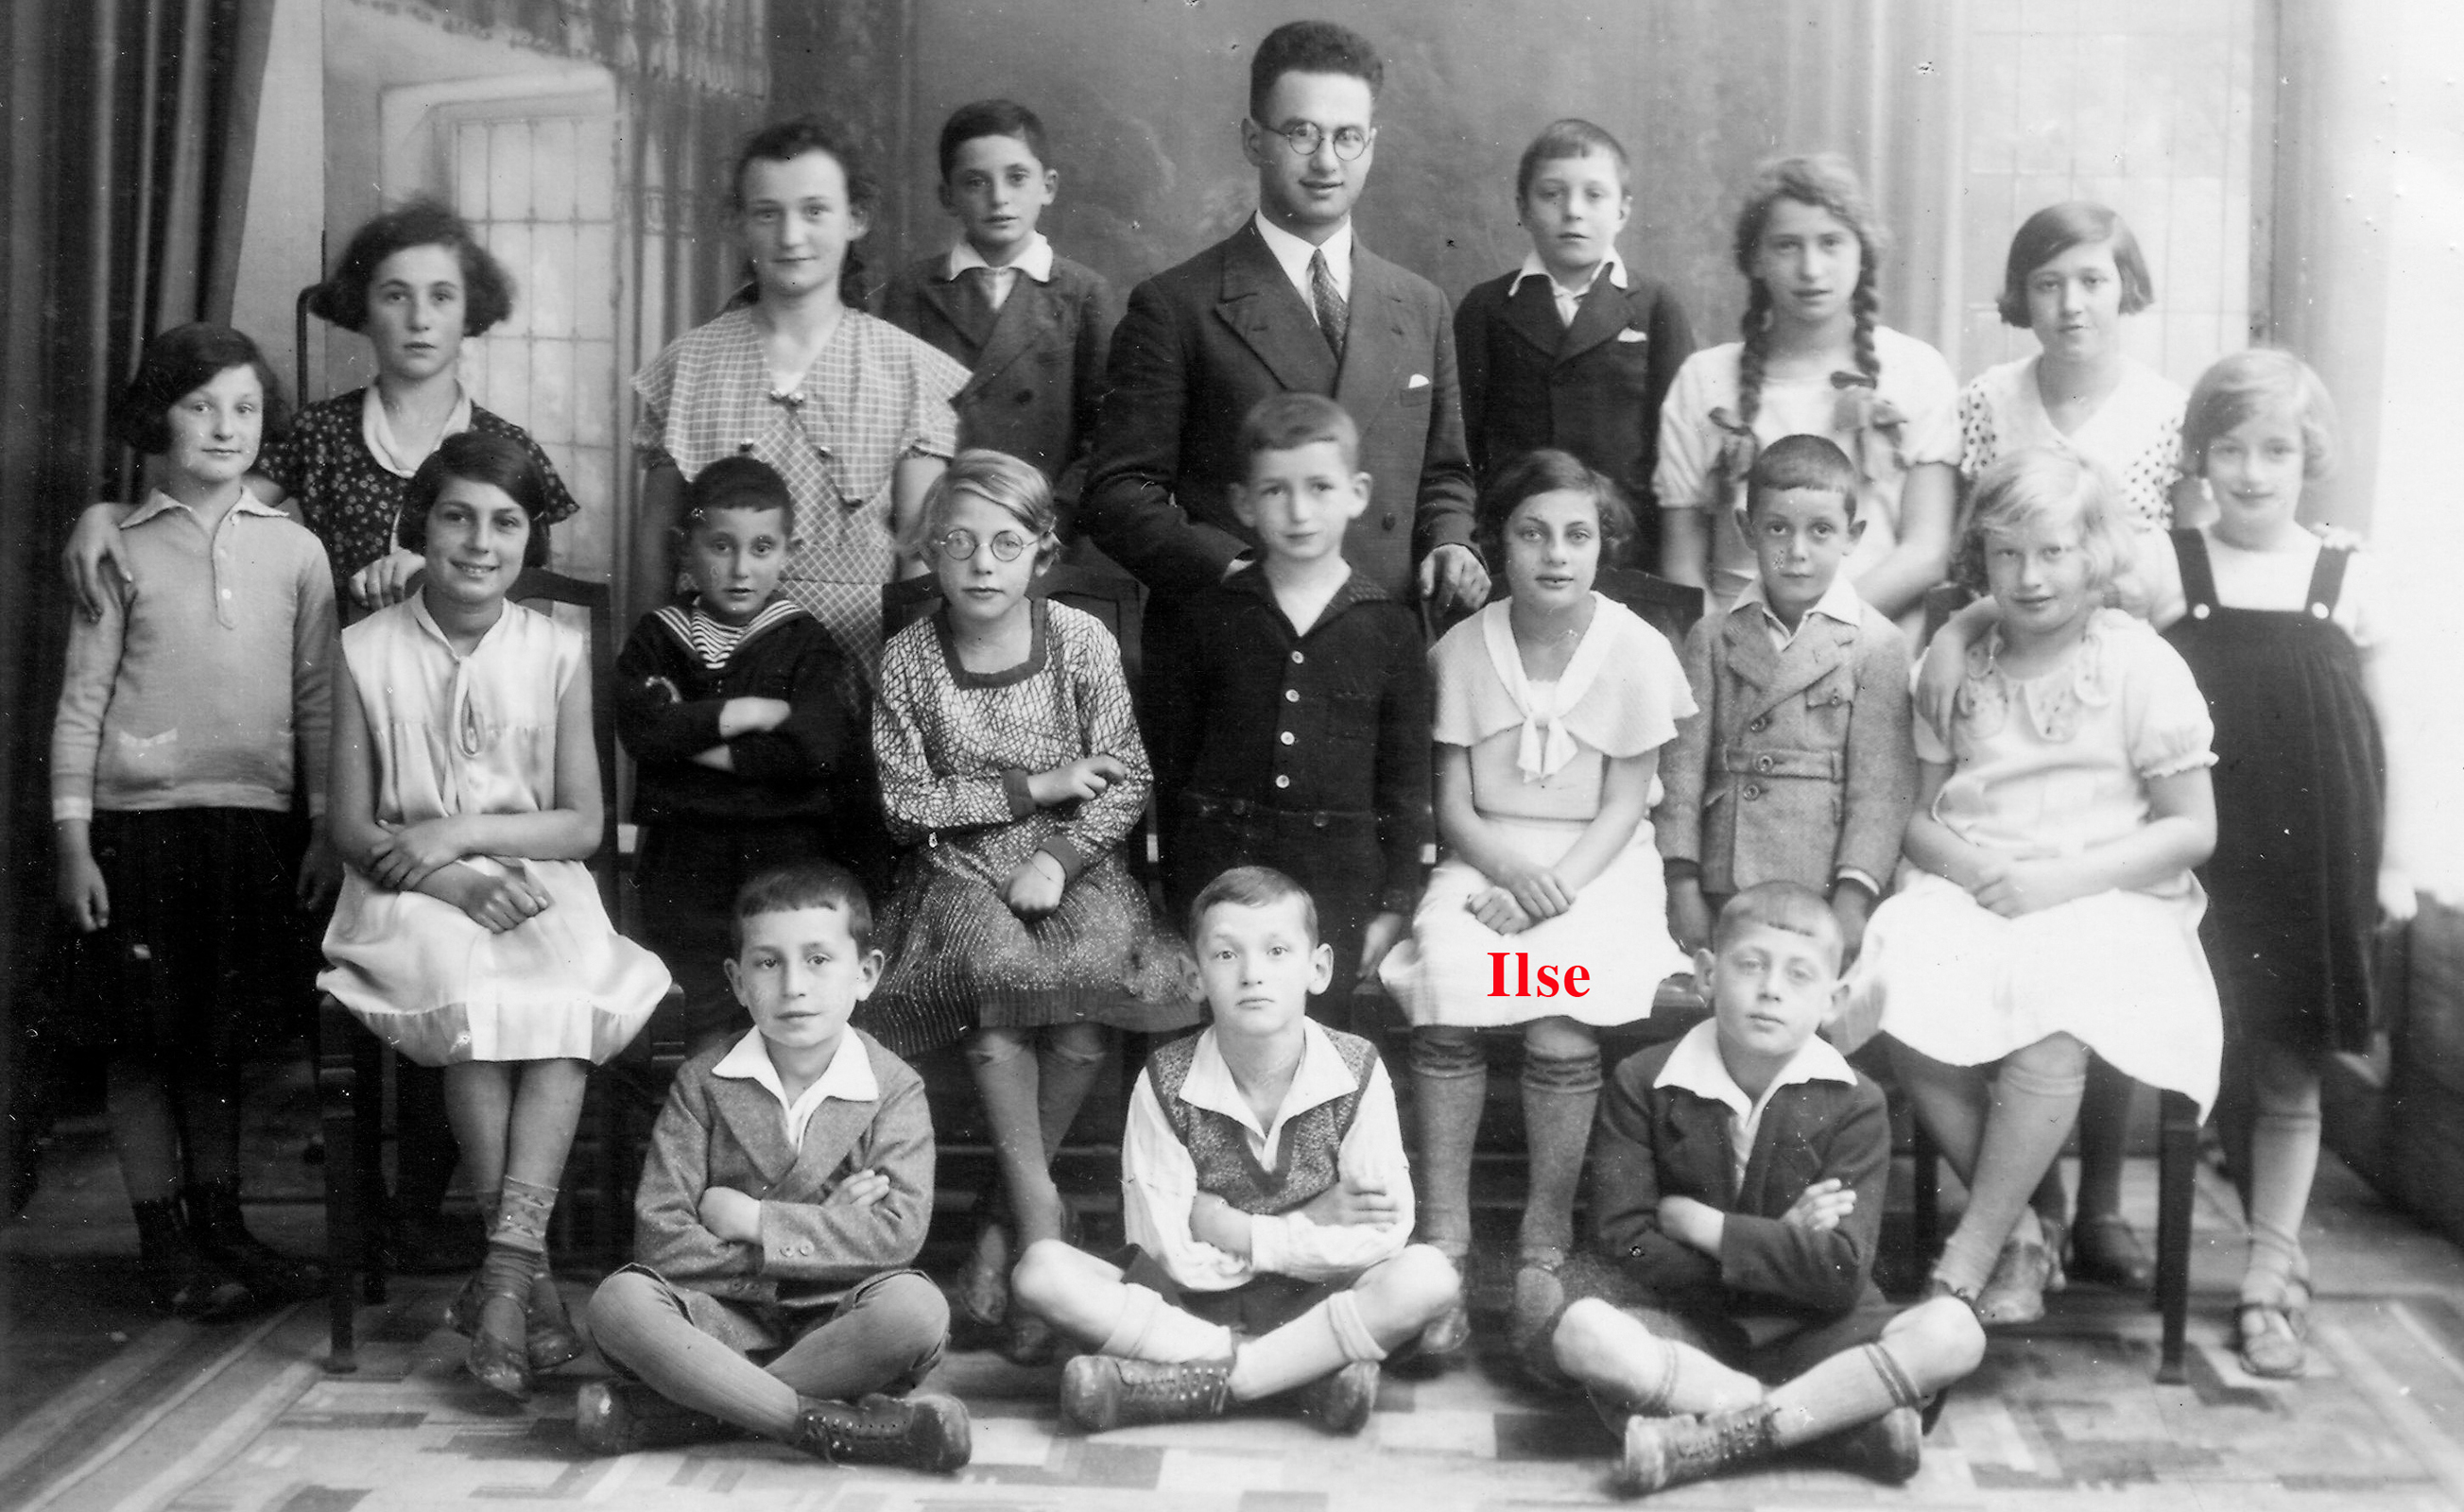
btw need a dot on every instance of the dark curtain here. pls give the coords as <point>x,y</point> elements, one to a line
<point>124,133</point>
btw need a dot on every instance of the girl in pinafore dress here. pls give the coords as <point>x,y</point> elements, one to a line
<point>1552,708</point>
<point>852,411</point>
<point>2048,908</point>
<point>466,798</point>
<point>1007,748</point>
<point>2286,634</point>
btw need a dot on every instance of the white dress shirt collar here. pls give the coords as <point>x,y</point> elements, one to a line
<point>1696,1066</point>
<point>848,1078</point>
<point>1036,263</point>
<point>1321,1076</point>
<point>1292,256</point>
<point>1838,601</point>
<point>1569,300</point>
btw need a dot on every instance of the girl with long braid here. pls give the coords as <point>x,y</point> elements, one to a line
<point>1814,359</point>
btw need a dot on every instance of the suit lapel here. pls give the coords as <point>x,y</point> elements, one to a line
<point>1377,349</point>
<point>1023,318</point>
<point>1264,311</point>
<point>1818,648</point>
<point>831,1133</point>
<point>1598,318</point>
<point>1531,313</point>
<point>942,293</point>
<point>755,1122</point>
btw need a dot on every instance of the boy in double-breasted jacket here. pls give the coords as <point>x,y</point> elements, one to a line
<point>1800,765</point>
<point>786,1192</point>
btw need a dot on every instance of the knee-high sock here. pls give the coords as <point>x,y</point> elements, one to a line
<point>1319,1342</point>
<point>2283,1162</point>
<point>517,1244</point>
<point>1150,1329</point>
<point>1450,1086</point>
<point>1631,1369</point>
<point>2030,1116</point>
<point>1855,1385</point>
<point>1559,1096</point>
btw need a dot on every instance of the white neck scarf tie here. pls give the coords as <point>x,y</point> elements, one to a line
<point>1547,745</point>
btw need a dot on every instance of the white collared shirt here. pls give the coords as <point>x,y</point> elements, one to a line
<point>1569,300</point>
<point>376,430</point>
<point>848,1078</point>
<point>1696,1066</point>
<point>1838,603</point>
<point>1159,1178</point>
<point>1036,262</point>
<point>1292,255</point>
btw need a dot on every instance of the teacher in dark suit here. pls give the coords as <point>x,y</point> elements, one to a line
<point>1292,302</point>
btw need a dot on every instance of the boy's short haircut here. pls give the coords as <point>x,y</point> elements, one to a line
<point>1548,470</point>
<point>2055,230</point>
<point>2054,487</point>
<point>1571,137</point>
<point>177,363</point>
<point>746,483</point>
<point>990,118</point>
<point>1311,46</point>
<point>476,456</point>
<point>2244,383</point>
<point>1803,462</point>
<point>1789,905</point>
<point>807,885</point>
<point>1003,481</point>
<point>1288,420</point>
<point>1251,887</point>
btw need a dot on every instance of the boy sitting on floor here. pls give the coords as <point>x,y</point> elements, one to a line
<point>1737,1187</point>
<point>1266,1197</point>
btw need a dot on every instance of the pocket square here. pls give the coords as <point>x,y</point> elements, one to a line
<point>1416,380</point>
<point>1633,334</point>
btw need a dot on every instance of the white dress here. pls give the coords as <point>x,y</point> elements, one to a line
<point>2135,435</point>
<point>477,734</point>
<point>1917,386</point>
<point>1622,693</point>
<point>2055,766</point>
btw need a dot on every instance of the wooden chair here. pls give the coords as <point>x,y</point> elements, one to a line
<point>2177,1151</point>
<point>351,1062</point>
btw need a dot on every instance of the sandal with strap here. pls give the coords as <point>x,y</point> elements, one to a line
<point>2273,1336</point>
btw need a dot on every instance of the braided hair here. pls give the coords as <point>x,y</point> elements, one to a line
<point>1826,182</point>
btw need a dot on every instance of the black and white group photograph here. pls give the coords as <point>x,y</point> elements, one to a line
<point>1331,755</point>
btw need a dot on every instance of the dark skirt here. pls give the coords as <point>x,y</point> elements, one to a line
<point>2300,783</point>
<point>208,957</point>
<point>961,961</point>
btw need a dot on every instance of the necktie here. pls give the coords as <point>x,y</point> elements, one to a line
<point>1332,316</point>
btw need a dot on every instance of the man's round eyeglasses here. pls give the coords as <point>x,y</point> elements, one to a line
<point>960,545</point>
<point>1303,137</point>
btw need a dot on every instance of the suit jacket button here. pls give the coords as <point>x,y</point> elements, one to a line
<point>1753,791</point>
<point>1762,763</point>
<point>1760,725</point>
<point>1389,519</point>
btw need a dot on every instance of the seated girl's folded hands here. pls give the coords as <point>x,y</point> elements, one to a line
<point>1035,888</point>
<point>402,856</point>
<point>2014,885</point>
<point>1087,776</point>
<point>1496,908</point>
<point>498,902</point>
<point>1536,889</point>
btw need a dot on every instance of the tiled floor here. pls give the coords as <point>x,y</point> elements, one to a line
<point>108,1411</point>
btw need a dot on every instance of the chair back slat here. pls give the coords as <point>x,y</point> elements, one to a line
<point>539,586</point>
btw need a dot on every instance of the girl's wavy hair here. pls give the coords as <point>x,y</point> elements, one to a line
<point>2044,486</point>
<point>476,456</point>
<point>1828,183</point>
<point>1017,488</point>
<point>487,288</point>
<point>2251,383</point>
<point>786,141</point>
<point>1550,470</point>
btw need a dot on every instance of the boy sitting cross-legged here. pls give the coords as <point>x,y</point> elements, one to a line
<point>1737,1187</point>
<point>1266,1197</point>
<point>786,1191</point>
